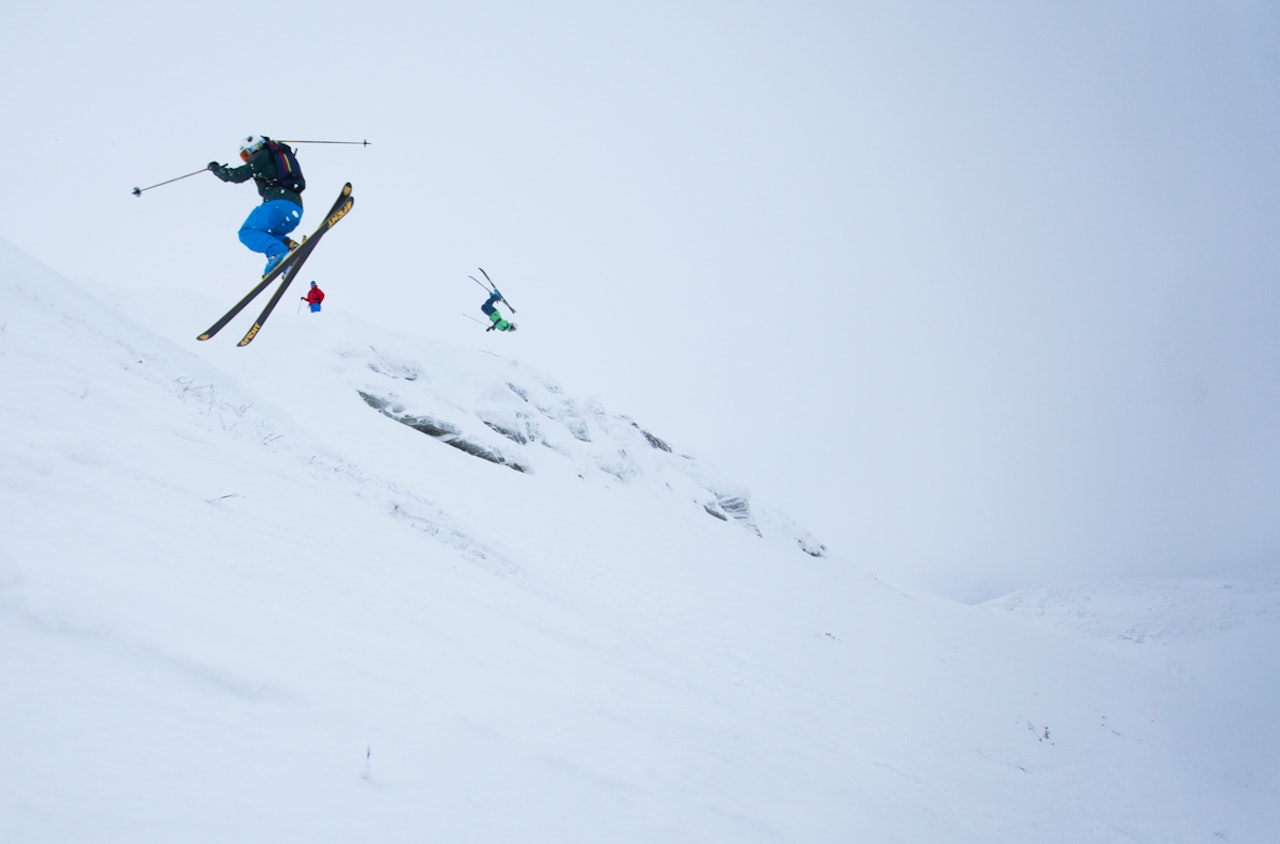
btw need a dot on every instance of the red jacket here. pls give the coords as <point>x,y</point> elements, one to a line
<point>314,296</point>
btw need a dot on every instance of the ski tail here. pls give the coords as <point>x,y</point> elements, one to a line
<point>237,308</point>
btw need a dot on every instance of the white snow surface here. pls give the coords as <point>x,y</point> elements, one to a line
<point>239,603</point>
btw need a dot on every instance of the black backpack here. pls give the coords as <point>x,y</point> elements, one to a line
<point>288,171</point>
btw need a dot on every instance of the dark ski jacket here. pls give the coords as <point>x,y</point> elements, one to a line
<point>262,169</point>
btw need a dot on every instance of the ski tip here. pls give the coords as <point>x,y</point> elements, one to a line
<point>204,336</point>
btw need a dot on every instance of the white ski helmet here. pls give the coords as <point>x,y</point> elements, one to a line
<point>252,144</point>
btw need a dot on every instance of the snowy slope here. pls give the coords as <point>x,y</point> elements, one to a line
<point>240,600</point>
<point>1208,637</point>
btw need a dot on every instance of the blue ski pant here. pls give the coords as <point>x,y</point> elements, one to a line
<point>265,227</point>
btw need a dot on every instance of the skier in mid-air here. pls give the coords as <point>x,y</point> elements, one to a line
<point>266,228</point>
<point>496,318</point>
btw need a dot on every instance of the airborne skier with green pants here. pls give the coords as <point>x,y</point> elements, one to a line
<point>274,168</point>
<point>494,315</point>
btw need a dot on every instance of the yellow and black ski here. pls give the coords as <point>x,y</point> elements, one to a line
<point>286,269</point>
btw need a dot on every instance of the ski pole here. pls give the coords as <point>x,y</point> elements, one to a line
<point>473,319</point>
<point>355,143</point>
<point>495,288</point>
<point>138,191</point>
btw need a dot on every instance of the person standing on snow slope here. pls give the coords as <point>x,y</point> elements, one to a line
<point>492,313</point>
<point>266,227</point>
<point>314,297</point>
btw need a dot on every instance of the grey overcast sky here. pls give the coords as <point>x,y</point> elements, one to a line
<point>983,293</point>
